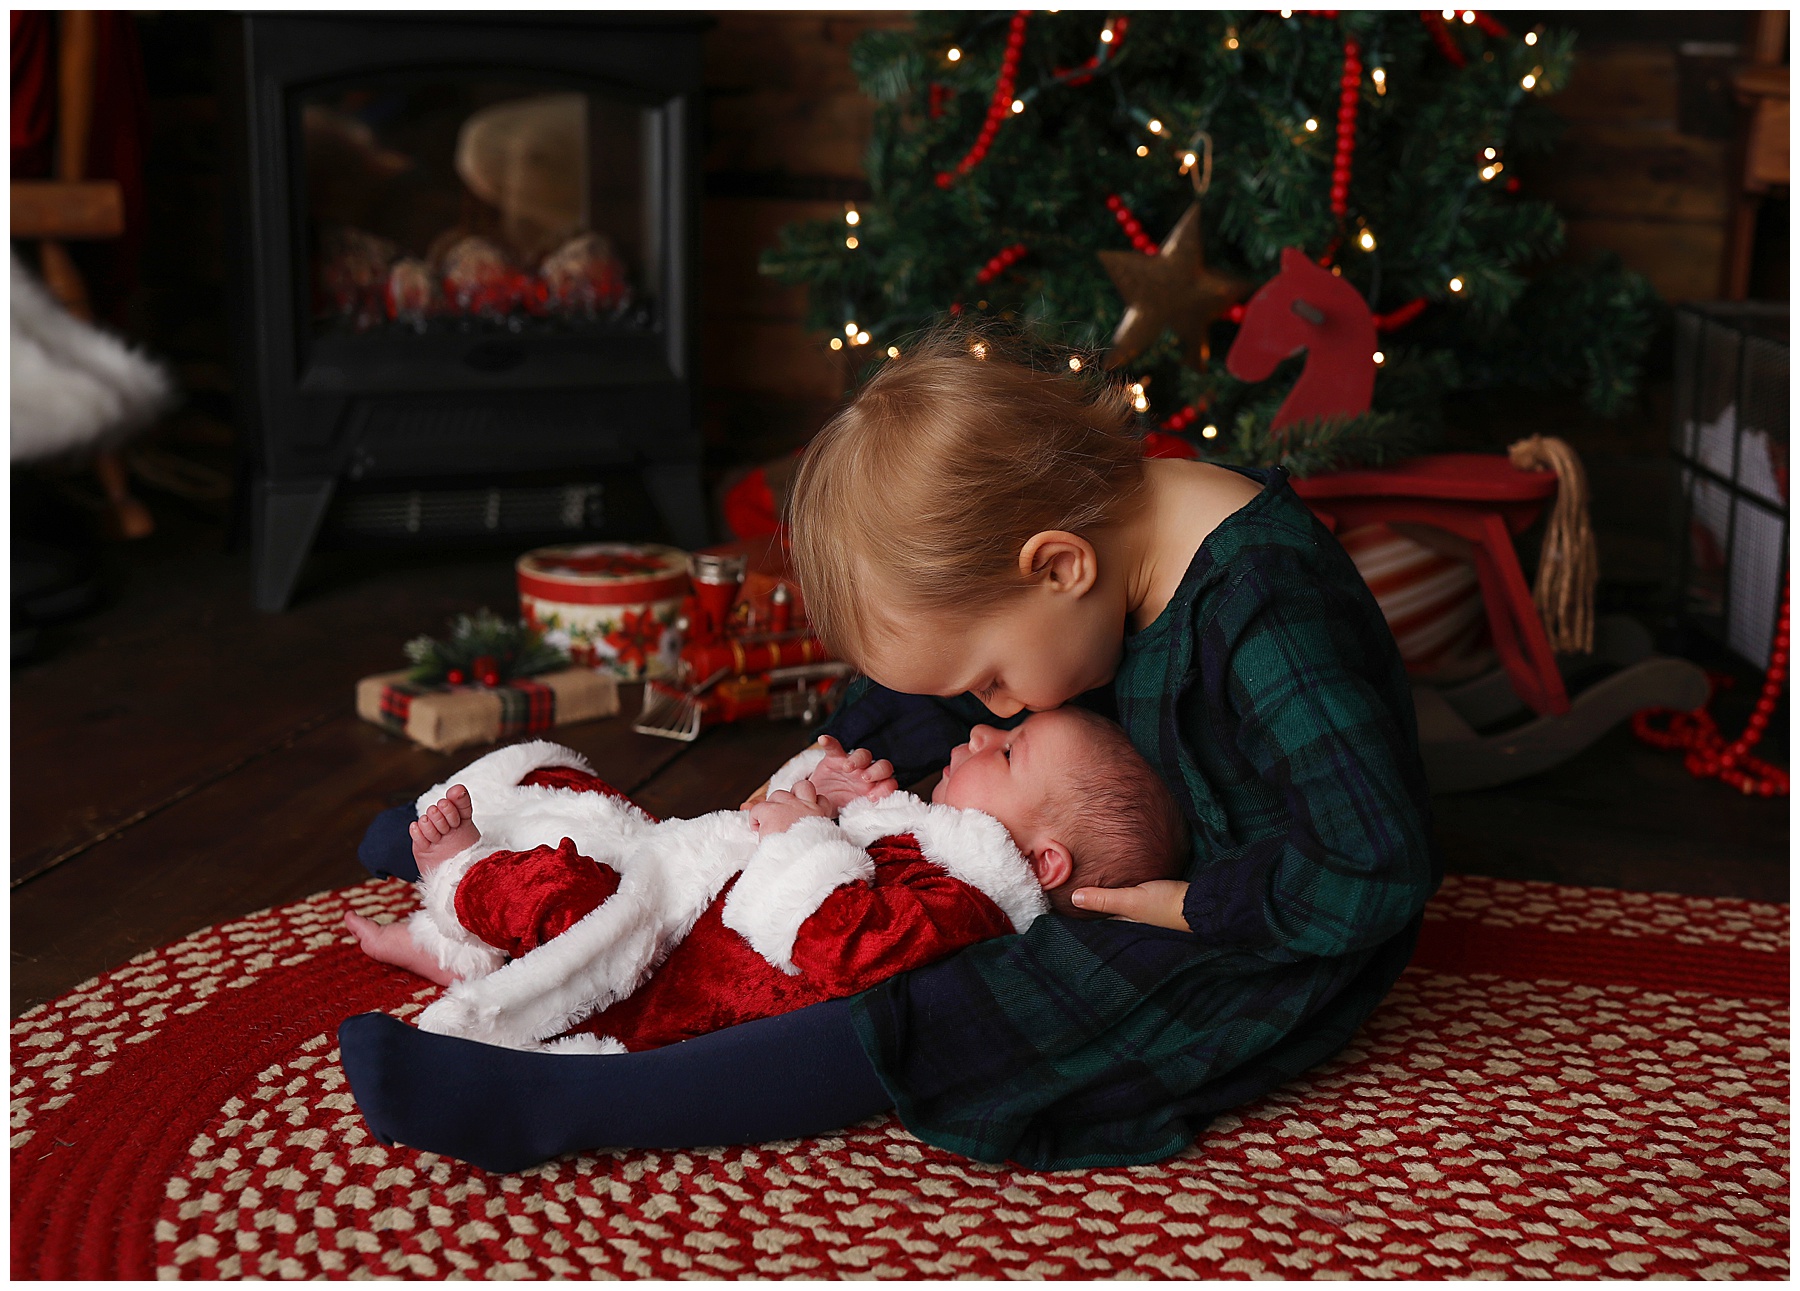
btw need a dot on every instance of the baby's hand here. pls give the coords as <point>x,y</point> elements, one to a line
<point>776,813</point>
<point>842,777</point>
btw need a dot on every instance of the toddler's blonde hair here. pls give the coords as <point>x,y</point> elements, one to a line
<point>925,487</point>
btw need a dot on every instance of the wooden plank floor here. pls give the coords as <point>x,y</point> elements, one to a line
<point>180,759</point>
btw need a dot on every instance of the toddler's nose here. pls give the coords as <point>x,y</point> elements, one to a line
<point>980,737</point>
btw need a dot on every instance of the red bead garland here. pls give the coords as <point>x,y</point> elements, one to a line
<point>1184,418</point>
<point>938,95</point>
<point>1109,49</point>
<point>1349,90</point>
<point>1000,106</point>
<point>1129,222</point>
<point>1490,25</point>
<point>1400,317</point>
<point>1440,34</point>
<point>1005,260</point>
<point>1708,756</point>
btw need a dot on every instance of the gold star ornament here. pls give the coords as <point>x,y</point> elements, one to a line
<point>1171,289</point>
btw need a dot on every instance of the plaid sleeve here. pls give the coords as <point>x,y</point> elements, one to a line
<point>1332,853</point>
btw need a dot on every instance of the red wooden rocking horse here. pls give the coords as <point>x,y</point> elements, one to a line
<point>1475,504</point>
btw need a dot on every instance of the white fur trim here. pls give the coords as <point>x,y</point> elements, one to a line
<point>73,385</point>
<point>797,768</point>
<point>435,924</point>
<point>669,874</point>
<point>965,844</point>
<point>502,770</point>
<point>784,883</point>
<point>459,954</point>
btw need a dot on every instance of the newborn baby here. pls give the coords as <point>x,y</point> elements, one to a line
<point>649,932</point>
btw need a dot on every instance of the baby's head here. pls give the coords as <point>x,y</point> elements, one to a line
<point>1081,804</point>
<point>916,514</point>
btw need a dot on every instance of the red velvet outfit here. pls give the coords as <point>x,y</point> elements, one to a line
<point>906,909</point>
<point>913,914</point>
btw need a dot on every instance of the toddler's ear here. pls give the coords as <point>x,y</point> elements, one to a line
<point>1066,560</point>
<point>1052,864</point>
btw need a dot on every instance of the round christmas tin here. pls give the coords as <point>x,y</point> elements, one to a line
<point>611,605</point>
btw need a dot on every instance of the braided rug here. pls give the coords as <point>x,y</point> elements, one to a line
<point>1568,1082</point>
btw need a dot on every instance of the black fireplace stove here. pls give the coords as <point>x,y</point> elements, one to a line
<point>467,253</point>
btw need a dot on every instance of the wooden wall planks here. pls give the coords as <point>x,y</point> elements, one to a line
<point>786,121</point>
<point>1628,179</point>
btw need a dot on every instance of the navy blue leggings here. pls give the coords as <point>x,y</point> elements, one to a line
<point>784,1077</point>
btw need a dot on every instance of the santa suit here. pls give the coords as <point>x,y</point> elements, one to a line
<point>647,932</point>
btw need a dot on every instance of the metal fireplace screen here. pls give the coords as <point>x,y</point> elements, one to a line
<point>1731,447</point>
<point>476,205</point>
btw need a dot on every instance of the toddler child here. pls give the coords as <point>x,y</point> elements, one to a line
<point>647,933</point>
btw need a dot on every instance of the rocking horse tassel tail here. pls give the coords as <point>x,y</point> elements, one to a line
<point>1569,567</point>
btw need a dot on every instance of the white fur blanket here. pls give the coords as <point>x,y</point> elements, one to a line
<point>73,386</point>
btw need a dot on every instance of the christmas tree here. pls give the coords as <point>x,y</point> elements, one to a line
<point>1123,183</point>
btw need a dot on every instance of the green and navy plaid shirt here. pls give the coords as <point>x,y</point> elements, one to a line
<point>1271,697</point>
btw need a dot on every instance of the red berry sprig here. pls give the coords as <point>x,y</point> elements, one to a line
<point>1708,756</point>
<point>938,94</point>
<point>1129,223</point>
<point>1005,260</point>
<point>1349,90</point>
<point>999,107</point>
<point>1440,35</point>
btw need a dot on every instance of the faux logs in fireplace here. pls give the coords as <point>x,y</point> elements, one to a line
<point>467,248</point>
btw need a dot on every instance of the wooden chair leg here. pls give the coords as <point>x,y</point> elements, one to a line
<point>127,517</point>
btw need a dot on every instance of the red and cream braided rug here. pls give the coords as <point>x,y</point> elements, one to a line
<point>1568,1082</point>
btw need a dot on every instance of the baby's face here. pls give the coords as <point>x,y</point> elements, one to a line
<point>1014,776</point>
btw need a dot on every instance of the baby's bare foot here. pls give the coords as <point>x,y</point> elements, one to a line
<point>444,829</point>
<point>392,943</point>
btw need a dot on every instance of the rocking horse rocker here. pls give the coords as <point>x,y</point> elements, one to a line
<point>1470,506</point>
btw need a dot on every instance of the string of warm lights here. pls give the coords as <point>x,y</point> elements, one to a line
<point>1000,106</point>
<point>1004,103</point>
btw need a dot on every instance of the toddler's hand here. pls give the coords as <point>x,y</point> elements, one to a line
<point>842,777</point>
<point>1158,901</point>
<point>776,813</point>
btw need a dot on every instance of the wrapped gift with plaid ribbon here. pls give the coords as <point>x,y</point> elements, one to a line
<point>445,717</point>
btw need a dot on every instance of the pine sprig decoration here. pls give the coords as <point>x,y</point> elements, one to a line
<point>482,647</point>
<point>1435,184</point>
